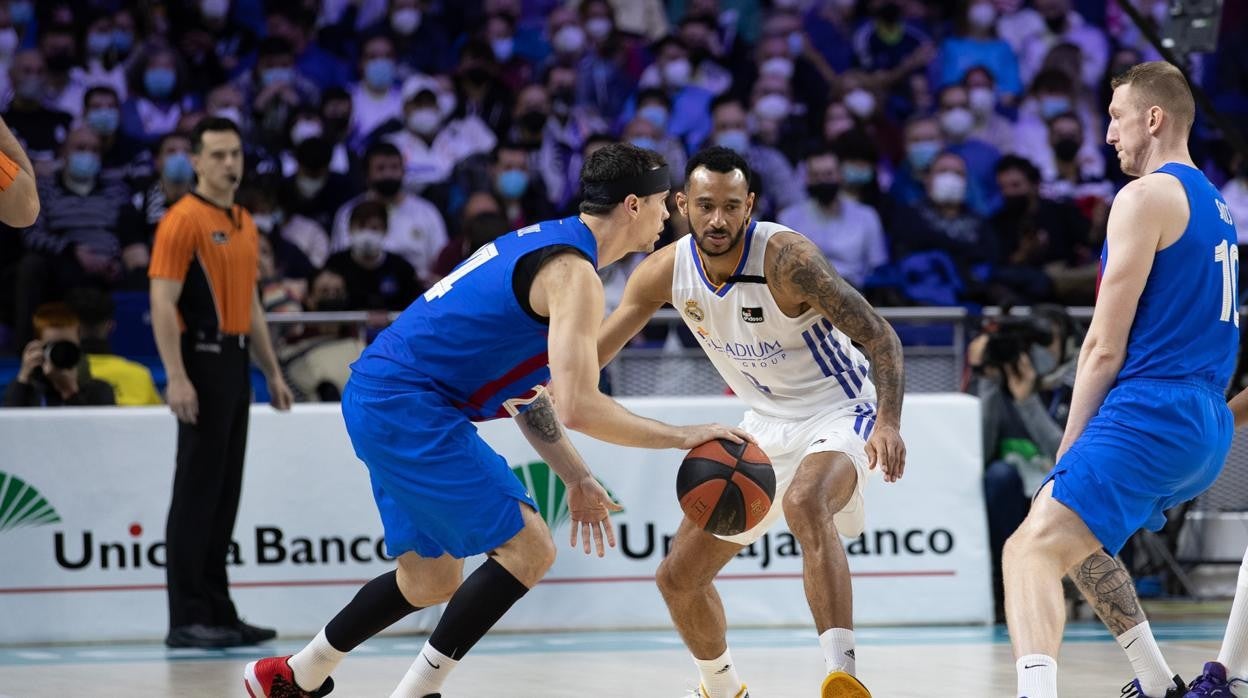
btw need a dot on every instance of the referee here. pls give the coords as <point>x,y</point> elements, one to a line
<point>205,315</point>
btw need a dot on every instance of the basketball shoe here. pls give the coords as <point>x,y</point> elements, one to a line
<point>840,684</point>
<point>271,677</point>
<point>1133,690</point>
<point>700,692</point>
<point>1213,683</point>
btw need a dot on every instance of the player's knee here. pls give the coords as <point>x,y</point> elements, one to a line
<point>670,583</point>
<point>807,509</point>
<point>426,590</point>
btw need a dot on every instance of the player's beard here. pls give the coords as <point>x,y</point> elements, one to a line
<point>733,240</point>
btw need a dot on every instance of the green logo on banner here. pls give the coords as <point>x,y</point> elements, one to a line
<point>548,491</point>
<point>22,505</point>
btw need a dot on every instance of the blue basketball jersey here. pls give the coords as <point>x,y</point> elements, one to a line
<point>467,337</point>
<point>1187,322</point>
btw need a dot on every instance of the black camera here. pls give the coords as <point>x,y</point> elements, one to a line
<point>1011,337</point>
<point>62,354</point>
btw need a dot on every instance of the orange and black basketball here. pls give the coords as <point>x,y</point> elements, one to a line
<point>725,487</point>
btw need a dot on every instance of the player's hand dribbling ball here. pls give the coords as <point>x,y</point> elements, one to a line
<point>724,487</point>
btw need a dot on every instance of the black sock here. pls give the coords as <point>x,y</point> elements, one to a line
<point>377,606</point>
<point>479,603</point>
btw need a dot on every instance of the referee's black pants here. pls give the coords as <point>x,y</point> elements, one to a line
<point>208,481</point>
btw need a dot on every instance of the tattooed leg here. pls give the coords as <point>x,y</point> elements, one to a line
<point>1109,589</point>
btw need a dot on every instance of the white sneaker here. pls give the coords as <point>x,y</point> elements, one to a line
<point>700,692</point>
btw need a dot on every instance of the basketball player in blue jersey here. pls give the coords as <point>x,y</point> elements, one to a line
<point>780,326</point>
<point>1148,427</point>
<point>482,343</point>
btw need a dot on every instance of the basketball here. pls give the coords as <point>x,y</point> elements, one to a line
<point>726,487</point>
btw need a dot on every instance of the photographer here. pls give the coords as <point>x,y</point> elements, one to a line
<point>53,372</point>
<point>1022,372</point>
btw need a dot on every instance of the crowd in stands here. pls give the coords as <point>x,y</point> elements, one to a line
<point>938,152</point>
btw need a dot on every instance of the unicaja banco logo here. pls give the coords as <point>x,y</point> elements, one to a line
<point>548,491</point>
<point>22,505</point>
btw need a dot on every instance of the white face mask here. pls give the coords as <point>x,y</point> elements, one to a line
<point>232,113</point>
<point>982,100</point>
<point>860,103</point>
<point>778,67</point>
<point>677,73</point>
<point>405,21</point>
<point>957,122</point>
<point>309,186</point>
<point>598,28</point>
<point>367,244</point>
<point>214,9</point>
<point>948,188</point>
<point>982,16</point>
<point>303,130</point>
<point>569,39</point>
<point>424,121</point>
<point>773,107</point>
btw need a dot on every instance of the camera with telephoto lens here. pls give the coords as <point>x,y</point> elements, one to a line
<point>1011,337</point>
<point>62,354</point>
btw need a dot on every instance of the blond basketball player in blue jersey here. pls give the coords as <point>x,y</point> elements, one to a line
<point>1148,427</point>
<point>779,324</point>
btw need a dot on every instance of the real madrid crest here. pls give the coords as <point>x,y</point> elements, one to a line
<point>693,310</point>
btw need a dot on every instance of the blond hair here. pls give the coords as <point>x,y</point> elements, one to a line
<point>1160,84</point>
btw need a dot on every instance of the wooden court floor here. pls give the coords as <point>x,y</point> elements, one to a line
<point>967,662</point>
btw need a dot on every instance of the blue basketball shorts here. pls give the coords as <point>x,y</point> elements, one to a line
<point>1153,445</point>
<point>438,486</point>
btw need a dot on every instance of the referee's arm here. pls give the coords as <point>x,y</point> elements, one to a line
<point>19,197</point>
<point>262,349</point>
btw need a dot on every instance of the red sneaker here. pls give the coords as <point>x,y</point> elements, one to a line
<point>271,677</point>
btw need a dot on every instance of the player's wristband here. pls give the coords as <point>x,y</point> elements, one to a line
<point>8,171</point>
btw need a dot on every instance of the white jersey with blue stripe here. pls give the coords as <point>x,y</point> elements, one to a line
<point>781,366</point>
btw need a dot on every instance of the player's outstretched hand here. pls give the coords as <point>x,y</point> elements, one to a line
<point>886,450</point>
<point>699,434</point>
<point>590,507</point>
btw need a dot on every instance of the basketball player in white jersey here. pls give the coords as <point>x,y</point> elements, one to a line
<point>779,324</point>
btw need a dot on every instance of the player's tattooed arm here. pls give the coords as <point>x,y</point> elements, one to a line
<point>541,420</point>
<point>803,273</point>
<point>1107,586</point>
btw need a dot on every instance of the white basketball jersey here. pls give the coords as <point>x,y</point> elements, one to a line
<point>781,366</point>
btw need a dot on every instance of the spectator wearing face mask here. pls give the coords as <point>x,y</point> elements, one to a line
<point>924,140</point>
<point>957,122</point>
<point>1053,94</point>
<point>336,110</point>
<point>847,232</point>
<point>103,64</point>
<point>317,360</point>
<point>297,25</point>
<point>565,134</point>
<point>101,112</point>
<point>975,44</point>
<point>375,279</point>
<point>433,144</point>
<point>643,133</point>
<point>1071,173</point>
<point>65,80</point>
<point>40,128</point>
<point>524,202</point>
<point>156,101</point>
<point>75,241</point>
<point>862,175</point>
<point>213,46</point>
<point>315,191</point>
<point>603,77</point>
<point>415,229</point>
<point>288,238</point>
<point>275,91</point>
<point>422,39</point>
<point>672,71</point>
<point>706,53</point>
<point>943,221</point>
<point>982,99</point>
<point>376,99</point>
<point>514,71</point>
<point>174,177</point>
<point>892,52</point>
<point>772,169</point>
<point>52,372</point>
<point>1060,23</point>
<point>865,107</point>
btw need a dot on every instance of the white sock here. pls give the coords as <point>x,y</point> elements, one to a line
<point>1234,652</point>
<point>838,650</point>
<point>426,674</point>
<point>1037,676</point>
<point>315,662</point>
<point>719,676</point>
<point>1146,660</point>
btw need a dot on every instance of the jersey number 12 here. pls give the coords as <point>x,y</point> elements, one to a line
<point>1227,255</point>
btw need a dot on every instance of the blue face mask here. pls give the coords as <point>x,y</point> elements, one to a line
<point>734,139</point>
<point>645,143</point>
<point>21,12</point>
<point>123,40</point>
<point>82,165</point>
<point>99,43</point>
<point>654,114</point>
<point>513,183</point>
<point>1051,107</point>
<point>379,73</point>
<point>159,82</point>
<point>854,173</point>
<point>104,120</point>
<point>922,153</point>
<point>272,76</point>
<point>177,169</point>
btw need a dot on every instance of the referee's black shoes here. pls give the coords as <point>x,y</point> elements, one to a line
<point>253,634</point>
<point>204,636</point>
